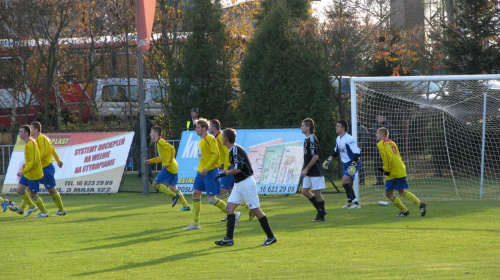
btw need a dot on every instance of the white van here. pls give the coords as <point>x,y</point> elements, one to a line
<point>116,99</point>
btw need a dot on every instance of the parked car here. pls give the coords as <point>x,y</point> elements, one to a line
<point>29,102</point>
<point>118,98</point>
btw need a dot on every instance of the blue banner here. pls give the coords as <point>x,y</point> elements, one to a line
<point>276,156</point>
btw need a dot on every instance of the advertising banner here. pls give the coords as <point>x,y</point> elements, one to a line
<point>92,162</point>
<point>276,156</point>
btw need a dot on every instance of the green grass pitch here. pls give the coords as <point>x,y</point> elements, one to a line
<point>135,236</point>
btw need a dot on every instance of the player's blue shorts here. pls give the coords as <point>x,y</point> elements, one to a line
<point>165,177</point>
<point>207,183</point>
<point>33,185</point>
<point>48,176</point>
<point>227,182</point>
<point>346,165</point>
<point>396,184</point>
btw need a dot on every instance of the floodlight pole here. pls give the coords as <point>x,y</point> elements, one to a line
<point>144,174</point>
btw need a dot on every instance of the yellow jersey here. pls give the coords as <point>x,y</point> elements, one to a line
<point>224,152</point>
<point>208,153</point>
<point>32,166</point>
<point>391,157</point>
<point>47,151</point>
<point>166,156</point>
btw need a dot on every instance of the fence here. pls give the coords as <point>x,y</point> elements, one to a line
<point>133,163</point>
<point>5,152</point>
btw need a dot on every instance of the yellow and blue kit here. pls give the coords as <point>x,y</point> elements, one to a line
<point>166,156</point>
<point>208,153</point>
<point>391,158</point>
<point>33,166</point>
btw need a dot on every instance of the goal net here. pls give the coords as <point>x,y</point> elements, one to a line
<point>447,129</point>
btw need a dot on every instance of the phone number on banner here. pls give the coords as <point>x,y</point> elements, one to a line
<point>261,188</point>
<point>276,189</point>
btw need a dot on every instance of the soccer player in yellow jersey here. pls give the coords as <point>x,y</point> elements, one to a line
<point>31,175</point>
<point>47,152</point>
<point>227,184</point>
<point>168,174</point>
<point>208,155</point>
<point>395,173</point>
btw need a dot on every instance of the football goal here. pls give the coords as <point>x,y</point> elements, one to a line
<point>447,129</point>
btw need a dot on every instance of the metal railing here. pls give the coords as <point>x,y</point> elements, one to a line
<point>133,164</point>
<point>5,153</point>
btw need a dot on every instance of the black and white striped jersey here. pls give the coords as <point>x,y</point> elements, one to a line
<point>311,148</point>
<point>239,160</point>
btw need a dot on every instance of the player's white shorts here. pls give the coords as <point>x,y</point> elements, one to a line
<point>316,183</point>
<point>245,190</point>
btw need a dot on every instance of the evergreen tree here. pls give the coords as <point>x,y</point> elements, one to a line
<point>279,88</point>
<point>204,80</point>
<point>471,41</point>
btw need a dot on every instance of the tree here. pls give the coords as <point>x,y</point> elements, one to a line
<point>90,25</point>
<point>163,60</point>
<point>345,38</point>
<point>44,23</point>
<point>278,87</point>
<point>204,79</point>
<point>471,39</point>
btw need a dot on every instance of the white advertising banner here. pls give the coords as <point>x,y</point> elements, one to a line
<point>92,162</point>
<point>276,156</point>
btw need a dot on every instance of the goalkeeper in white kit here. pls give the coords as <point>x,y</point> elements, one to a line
<point>350,156</point>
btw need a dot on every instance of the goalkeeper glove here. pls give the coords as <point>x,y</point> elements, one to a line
<point>386,173</point>
<point>326,163</point>
<point>352,169</point>
<point>220,175</point>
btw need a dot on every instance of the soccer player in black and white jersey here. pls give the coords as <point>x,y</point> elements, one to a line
<point>350,155</point>
<point>245,189</point>
<point>311,170</point>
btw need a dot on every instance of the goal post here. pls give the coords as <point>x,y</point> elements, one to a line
<point>447,129</point>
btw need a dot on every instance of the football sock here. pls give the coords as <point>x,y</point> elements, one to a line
<point>230,225</point>
<point>321,207</point>
<point>265,226</point>
<point>39,202</point>
<point>23,202</point>
<point>23,205</point>
<point>411,197</point>
<point>27,200</point>
<point>164,189</point>
<point>397,202</point>
<point>314,202</point>
<point>220,204</point>
<point>196,212</point>
<point>182,198</point>
<point>349,191</point>
<point>58,201</point>
<point>224,197</point>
